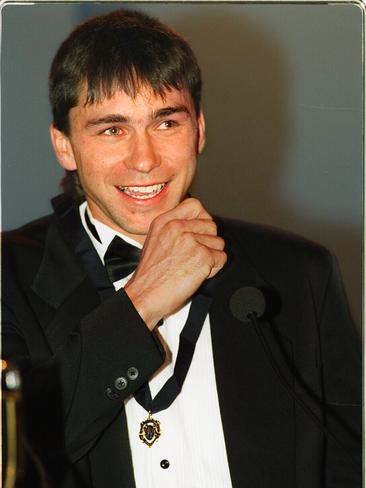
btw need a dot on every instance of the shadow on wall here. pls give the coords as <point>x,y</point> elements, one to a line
<point>239,174</point>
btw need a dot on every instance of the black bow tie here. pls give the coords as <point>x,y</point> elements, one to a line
<point>121,259</point>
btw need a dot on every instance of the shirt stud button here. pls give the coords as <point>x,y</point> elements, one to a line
<point>165,464</point>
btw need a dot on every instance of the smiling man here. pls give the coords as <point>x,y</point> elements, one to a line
<point>131,302</point>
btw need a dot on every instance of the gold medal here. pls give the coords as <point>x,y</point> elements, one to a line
<point>149,430</point>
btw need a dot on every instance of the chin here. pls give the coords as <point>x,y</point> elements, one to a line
<point>133,229</point>
<point>137,222</point>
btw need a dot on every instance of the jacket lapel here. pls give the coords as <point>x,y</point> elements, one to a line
<point>71,278</point>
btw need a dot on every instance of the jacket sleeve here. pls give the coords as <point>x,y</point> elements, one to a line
<point>102,362</point>
<point>342,385</point>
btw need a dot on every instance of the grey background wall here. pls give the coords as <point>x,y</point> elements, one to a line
<point>283,103</point>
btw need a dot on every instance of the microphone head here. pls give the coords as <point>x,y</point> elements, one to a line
<point>245,301</point>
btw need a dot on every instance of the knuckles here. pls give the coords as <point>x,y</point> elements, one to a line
<point>173,227</point>
<point>193,203</point>
<point>155,225</point>
<point>213,227</point>
<point>196,208</point>
<point>220,243</point>
<point>190,209</point>
<point>224,258</point>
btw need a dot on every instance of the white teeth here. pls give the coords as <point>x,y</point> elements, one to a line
<point>142,192</point>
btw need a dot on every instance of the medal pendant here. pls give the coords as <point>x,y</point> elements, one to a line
<point>149,430</point>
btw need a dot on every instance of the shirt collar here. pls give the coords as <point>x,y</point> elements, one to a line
<point>106,233</point>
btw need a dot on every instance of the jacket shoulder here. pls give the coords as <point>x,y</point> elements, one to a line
<point>22,251</point>
<point>274,247</point>
<point>31,235</point>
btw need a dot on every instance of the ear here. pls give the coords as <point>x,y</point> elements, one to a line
<point>201,138</point>
<point>63,148</point>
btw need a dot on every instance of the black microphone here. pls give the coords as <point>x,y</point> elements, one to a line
<point>247,302</point>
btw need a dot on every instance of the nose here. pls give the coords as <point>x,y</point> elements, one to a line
<point>144,156</point>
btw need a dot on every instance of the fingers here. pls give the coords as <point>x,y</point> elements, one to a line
<point>190,224</point>
<point>192,208</point>
<point>198,226</point>
<point>214,247</point>
<point>219,259</point>
<point>212,242</point>
<point>181,250</point>
<point>189,209</point>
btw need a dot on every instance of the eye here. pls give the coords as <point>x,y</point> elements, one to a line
<point>112,131</point>
<point>168,124</point>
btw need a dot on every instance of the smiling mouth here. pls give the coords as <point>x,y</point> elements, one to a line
<point>142,192</point>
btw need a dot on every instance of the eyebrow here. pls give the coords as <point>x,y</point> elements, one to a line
<point>107,119</point>
<point>121,119</point>
<point>163,112</point>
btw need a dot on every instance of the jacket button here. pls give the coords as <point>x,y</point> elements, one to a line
<point>112,395</point>
<point>120,383</point>
<point>132,373</point>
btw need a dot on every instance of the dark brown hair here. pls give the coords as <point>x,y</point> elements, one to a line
<point>121,50</point>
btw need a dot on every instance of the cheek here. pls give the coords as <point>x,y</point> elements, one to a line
<point>92,174</point>
<point>92,166</point>
<point>191,171</point>
<point>180,154</point>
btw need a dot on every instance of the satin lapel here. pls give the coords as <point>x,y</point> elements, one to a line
<point>71,278</point>
<point>80,243</point>
<point>257,416</point>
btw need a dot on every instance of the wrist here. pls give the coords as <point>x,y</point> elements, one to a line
<point>143,304</point>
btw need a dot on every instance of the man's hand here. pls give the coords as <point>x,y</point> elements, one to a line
<point>181,250</point>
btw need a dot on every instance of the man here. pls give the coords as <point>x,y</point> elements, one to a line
<point>163,380</point>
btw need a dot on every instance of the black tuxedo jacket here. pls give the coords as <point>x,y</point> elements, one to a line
<point>74,336</point>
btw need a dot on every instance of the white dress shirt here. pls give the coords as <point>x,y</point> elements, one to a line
<point>192,438</point>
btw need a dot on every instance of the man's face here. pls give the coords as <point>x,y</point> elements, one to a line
<point>136,157</point>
